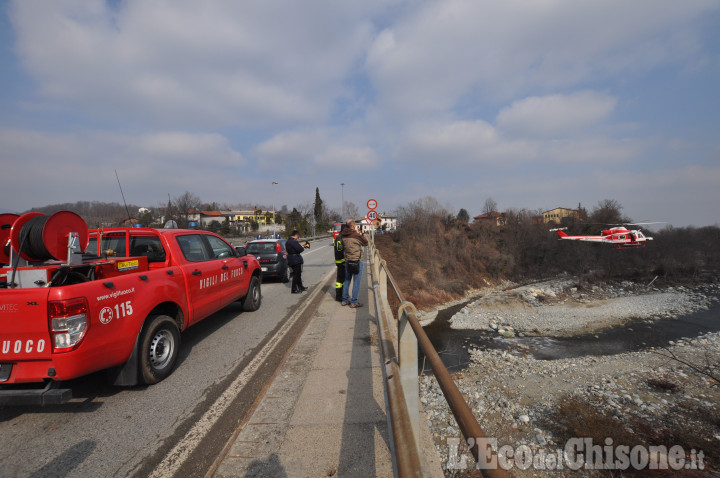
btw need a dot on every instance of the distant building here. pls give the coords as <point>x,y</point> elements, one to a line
<point>384,222</point>
<point>387,223</point>
<point>258,215</point>
<point>493,217</point>
<point>560,215</point>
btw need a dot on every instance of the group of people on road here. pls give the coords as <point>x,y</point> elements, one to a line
<point>348,247</point>
<point>348,259</point>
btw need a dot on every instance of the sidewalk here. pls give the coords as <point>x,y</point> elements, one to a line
<point>324,413</point>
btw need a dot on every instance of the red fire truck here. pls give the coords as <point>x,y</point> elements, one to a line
<point>336,229</point>
<point>74,301</point>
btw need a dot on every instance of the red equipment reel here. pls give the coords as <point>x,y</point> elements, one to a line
<point>6,222</point>
<point>15,233</point>
<point>57,229</point>
<point>48,237</point>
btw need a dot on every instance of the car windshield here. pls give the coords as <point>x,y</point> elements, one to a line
<point>261,247</point>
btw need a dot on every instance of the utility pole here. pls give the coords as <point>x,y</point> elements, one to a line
<point>272,188</point>
<point>342,207</point>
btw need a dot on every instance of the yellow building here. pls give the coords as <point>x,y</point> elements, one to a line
<point>260,216</point>
<point>560,215</point>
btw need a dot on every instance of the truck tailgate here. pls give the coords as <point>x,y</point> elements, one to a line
<point>24,333</point>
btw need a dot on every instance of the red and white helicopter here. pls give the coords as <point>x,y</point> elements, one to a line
<point>619,236</point>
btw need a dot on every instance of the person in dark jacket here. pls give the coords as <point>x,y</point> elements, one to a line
<point>295,261</point>
<point>340,264</point>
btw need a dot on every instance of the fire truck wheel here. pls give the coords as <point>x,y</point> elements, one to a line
<point>159,348</point>
<point>253,299</point>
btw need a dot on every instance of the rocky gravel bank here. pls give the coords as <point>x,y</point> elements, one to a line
<point>516,398</point>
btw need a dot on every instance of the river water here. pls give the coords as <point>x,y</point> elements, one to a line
<point>452,345</point>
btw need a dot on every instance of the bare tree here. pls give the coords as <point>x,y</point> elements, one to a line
<point>424,206</point>
<point>608,211</point>
<point>351,210</point>
<point>710,367</point>
<point>489,206</point>
<point>184,204</point>
<point>420,217</point>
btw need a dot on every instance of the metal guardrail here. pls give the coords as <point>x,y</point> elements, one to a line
<point>401,379</point>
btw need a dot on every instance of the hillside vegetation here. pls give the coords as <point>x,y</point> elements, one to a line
<point>436,258</point>
<point>94,213</point>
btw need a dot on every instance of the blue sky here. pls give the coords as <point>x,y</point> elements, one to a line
<point>535,104</point>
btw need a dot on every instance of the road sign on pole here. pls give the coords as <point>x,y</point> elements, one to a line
<point>371,204</point>
<point>372,215</point>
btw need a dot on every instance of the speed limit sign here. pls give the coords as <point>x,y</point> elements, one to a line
<point>372,215</point>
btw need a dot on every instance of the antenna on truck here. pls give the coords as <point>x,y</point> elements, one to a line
<point>122,194</point>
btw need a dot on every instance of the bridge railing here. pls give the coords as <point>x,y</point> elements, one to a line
<point>401,378</point>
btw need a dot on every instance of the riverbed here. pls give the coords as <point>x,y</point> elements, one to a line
<point>631,333</point>
<point>513,375</point>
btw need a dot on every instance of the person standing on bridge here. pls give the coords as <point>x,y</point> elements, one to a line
<point>353,243</point>
<point>295,261</point>
<point>340,264</point>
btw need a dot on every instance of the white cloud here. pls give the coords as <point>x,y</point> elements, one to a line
<point>78,166</point>
<point>348,158</point>
<point>212,149</point>
<point>457,144</point>
<point>555,115</point>
<point>449,52</point>
<point>290,146</point>
<point>183,62</point>
<point>328,149</point>
<point>598,150</point>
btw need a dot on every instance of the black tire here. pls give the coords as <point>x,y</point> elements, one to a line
<point>159,347</point>
<point>251,302</point>
<point>286,274</point>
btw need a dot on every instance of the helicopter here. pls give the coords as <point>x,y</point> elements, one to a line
<point>620,237</point>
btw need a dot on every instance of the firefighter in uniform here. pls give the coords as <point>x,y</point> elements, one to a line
<point>340,264</point>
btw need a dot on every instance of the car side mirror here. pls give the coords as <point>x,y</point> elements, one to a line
<point>241,252</point>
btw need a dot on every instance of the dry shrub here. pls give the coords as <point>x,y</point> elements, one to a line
<point>575,417</point>
<point>416,281</point>
<point>663,383</point>
<point>454,287</point>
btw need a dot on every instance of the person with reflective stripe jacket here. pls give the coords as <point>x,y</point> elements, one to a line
<point>340,264</point>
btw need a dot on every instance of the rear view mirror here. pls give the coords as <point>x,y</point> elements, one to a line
<point>241,251</point>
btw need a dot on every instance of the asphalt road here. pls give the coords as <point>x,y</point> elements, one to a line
<point>179,426</point>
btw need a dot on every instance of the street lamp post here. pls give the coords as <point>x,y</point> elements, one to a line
<point>342,206</point>
<point>273,205</point>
